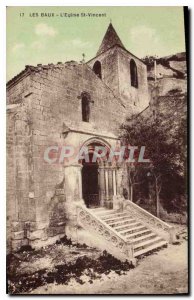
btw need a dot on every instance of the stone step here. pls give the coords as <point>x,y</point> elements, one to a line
<point>135,229</point>
<point>119,225</point>
<point>148,243</point>
<point>115,219</point>
<point>103,212</point>
<point>143,238</point>
<point>150,248</point>
<point>113,216</point>
<point>138,234</point>
<point>98,210</point>
<point>131,227</point>
<point>127,226</point>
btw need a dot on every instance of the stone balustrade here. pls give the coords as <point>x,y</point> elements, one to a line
<point>93,224</point>
<point>155,224</point>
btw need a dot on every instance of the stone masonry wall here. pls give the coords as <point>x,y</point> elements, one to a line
<point>50,100</point>
<point>109,68</point>
<point>136,99</point>
<point>115,65</point>
<point>20,206</point>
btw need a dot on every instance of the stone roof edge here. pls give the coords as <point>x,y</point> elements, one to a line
<point>29,69</point>
<point>24,73</point>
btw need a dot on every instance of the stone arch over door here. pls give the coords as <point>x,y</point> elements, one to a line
<point>106,176</point>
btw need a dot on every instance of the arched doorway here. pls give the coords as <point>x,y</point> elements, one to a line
<point>91,174</point>
<point>90,184</point>
<point>98,178</point>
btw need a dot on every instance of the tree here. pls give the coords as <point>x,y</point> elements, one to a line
<point>132,172</point>
<point>163,154</point>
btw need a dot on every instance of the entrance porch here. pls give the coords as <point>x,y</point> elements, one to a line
<point>99,184</point>
<point>101,180</point>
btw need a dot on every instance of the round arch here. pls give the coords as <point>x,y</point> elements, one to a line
<point>93,172</point>
<point>95,141</point>
<point>97,69</point>
<point>133,73</point>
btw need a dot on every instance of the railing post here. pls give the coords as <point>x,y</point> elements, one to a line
<point>172,237</point>
<point>130,254</point>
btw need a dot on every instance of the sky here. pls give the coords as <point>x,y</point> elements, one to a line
<point>41,39</point>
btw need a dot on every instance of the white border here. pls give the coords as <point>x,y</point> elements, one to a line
<point>3,4</point>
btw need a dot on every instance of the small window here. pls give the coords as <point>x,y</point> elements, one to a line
<point>133,73</point>
<point>97,69</point>
<point>85,108</point>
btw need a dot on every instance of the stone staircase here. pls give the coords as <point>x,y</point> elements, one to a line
<point>126,232</point>
<point>142,238</point>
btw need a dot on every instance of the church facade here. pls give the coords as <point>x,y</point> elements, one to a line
<point>72,104</point>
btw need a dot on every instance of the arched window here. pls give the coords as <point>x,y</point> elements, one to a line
<point>133,72</point>
<point>97,69</point>
<point>85,102</point>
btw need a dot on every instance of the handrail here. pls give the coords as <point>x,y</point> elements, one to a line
<point>157,225</point>
<point>128,202</point>
<point>102,222</point>
<point>104,230</point>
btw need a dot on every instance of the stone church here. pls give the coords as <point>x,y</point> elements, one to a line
<point>79,104</point>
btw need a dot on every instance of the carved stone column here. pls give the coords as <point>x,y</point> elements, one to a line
<point>106,186</point>
<point>114,183</point>
<point>102,185</point>
<point>110,186</point>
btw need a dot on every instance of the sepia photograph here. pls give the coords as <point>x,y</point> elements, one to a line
<point>96,145</point>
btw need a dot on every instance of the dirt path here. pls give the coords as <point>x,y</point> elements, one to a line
<point>164,272</point>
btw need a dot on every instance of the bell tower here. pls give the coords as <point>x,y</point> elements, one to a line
<point>121,71</point>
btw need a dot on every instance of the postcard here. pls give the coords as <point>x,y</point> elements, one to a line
<point>97,177</point>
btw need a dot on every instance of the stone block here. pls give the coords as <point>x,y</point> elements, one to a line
<point>24,242</point>
<point>16,226</point>
<point>37,234</point>
<point>60,192</point>
<point>52,231</point>
<point>18,235</point>
<point>16,244</point>
<point>31,226</point>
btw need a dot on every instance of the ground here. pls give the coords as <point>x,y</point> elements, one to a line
<point>83,270</point>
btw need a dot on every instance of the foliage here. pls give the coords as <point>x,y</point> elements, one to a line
<point>164,61</point>
<point>149,61</point>
<point>166,169</point>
